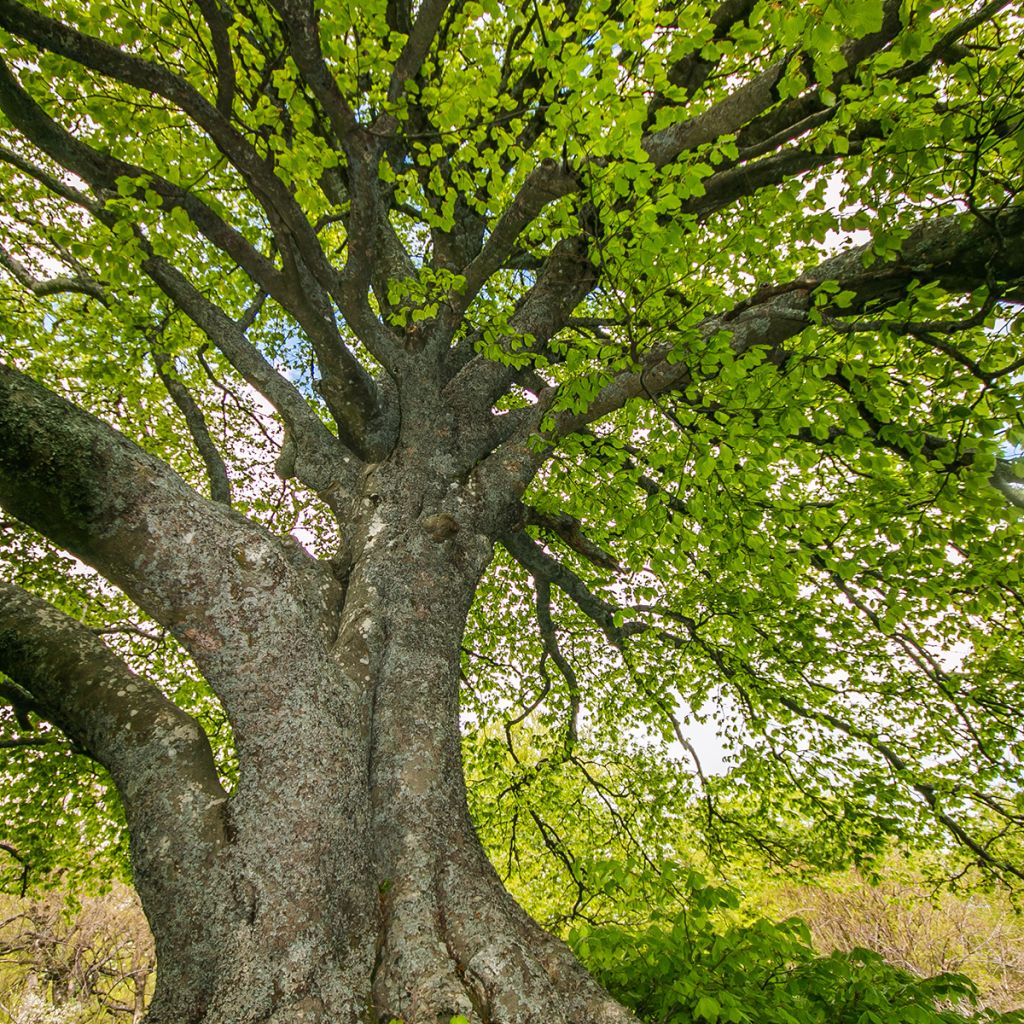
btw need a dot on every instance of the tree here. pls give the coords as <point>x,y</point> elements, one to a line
<point>93,965</point>
<point>684,334</point>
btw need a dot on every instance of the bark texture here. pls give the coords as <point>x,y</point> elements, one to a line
<point>358,887</point>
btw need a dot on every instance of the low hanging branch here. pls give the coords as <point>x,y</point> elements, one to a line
<point>549,634</point>
<point>570,531</point>
<point>9,849</point>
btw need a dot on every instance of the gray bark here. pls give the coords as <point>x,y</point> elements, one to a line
<point>353,884</point>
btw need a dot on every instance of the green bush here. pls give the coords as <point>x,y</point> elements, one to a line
<point>701,963</point>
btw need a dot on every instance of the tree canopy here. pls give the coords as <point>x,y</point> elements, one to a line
<point>716,310</point>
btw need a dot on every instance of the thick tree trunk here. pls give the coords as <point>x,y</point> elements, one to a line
<point>342,881</point>
<point>350,884</point>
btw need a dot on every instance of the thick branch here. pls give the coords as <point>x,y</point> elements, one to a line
<point>47,742</point>
<point>188,562</point>
<point>786,120</point>
<point>1008,483</point>
<point>158,755</point>
<point>691,71</point>
<point>213,15</point>
<point>568,276</point>
<point>753,99</point>
<point>417,46</point>
<point>960,252</point>
<point>945,47</point>
<point>754,104</point>
<point>543,185</point>
<point>302,30</point>
<point>724,187</point>
<point>322,462</point>
<point>802,112</point>
<point>724,118</point>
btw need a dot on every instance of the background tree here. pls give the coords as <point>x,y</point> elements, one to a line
<point>83,965</point>
<point>704,316</point>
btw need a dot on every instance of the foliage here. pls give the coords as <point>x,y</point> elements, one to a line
<point>584,851</point>
<point>699,962</point>
<point>583,845</point>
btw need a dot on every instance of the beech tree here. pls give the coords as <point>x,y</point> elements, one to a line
<point>683,336</point>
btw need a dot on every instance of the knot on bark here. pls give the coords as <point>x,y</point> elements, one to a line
<point>440,527</point>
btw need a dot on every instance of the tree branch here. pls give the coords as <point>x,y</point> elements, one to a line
<point>567,277</point>
<point>691,71</point>
<point>944,47</point>
<point>186,561</point>
<point>302,30</point>
<point>216,470</point>
<point>543,186</point>
<point>725,117</point>
<point>725,186</point>
<point>959,252</point>
<point>904,772</point>
<point>322,463</point>
<point>802,112</point>
<point>7,848</point>
<point>213,15</point>
<point>49,181</point>
<point>549,635</point>
<point>29,743</point>
<point>1009,485</point>
<point>744,104</point>
<point>570,532</point>
<point>777,126</point>
<point>539,564</point>
<point>53,286</point>
<point>158,755</point>
<point>417,46</point>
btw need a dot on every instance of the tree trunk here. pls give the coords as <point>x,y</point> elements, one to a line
<point>342,880</point>
<point>349,883</point>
